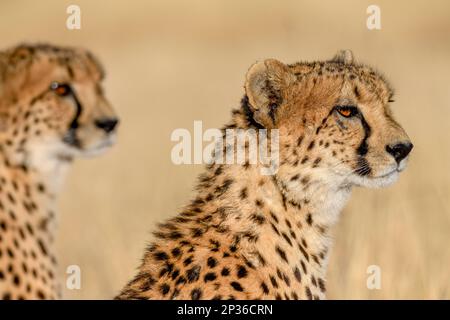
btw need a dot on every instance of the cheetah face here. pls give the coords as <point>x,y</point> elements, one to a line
<point>52,104</point>
<point>334,120</point>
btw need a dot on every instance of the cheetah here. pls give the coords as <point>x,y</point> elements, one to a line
<point>251,236</point>
<point>52,110</point>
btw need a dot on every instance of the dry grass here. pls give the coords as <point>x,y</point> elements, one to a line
<point>172,63</point>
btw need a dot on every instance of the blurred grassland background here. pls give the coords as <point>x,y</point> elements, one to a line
<point>172,62</point>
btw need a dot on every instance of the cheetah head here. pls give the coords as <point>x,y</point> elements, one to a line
<point>52,105</point>
<point>334,119</point>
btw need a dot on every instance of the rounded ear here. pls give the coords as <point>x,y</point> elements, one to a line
<point>343,56</point>
<point>265,83</point>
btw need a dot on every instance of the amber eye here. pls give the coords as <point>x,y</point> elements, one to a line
<point>347,111</point>
<point>61,89</point>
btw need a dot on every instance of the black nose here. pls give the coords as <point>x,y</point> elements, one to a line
<point>107,125</point>
<point>400,150</point>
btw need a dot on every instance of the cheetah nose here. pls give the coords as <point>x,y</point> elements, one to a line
<point>399,150</point>
<point>108,124</point>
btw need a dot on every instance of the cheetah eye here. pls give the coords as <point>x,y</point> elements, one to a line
<point>347,111</point>
<point>61,89</point>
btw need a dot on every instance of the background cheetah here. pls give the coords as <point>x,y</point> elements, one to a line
<point>249,236</point>
<point>52,109</point>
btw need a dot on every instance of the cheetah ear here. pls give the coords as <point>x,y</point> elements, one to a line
<point>343,56</point>
<point>265,84</point>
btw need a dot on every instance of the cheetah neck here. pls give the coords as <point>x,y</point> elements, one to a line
<point>276,233</point>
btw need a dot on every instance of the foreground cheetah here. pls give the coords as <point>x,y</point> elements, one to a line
<point>52,110</point>
<point>250,236</point>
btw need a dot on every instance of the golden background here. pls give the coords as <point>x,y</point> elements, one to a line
<point>172,62</point>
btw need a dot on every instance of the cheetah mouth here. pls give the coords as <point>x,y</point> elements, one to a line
<point>99,147</point>
<point>389,174</point>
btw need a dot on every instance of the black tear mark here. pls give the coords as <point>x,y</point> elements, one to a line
<point>363,147</point>
<point>71,136</point>
<point>363,167</point>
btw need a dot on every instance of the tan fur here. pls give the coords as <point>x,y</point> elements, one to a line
<point>34,121</point>
<point>249,236</point>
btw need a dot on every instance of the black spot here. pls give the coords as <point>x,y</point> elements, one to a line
<point>321,285</point>
<point>281,253</point>
<point>174,294</point>
<point>188,261</point>
<point>176,252</point>
<point>313,281</point>
<point>242,272</point>
<point>11,198</point>
<point>40,295</point>
<point>164,289</point>
<point>196,232</point>
<point>225,272</point>
<point>211,262</point>
<point>264,288</point>
<point>303,251</point>
<point>303,267</point>
<point>356,91</point>
<point>175,274</point>
<point>286,280</point>
<point>160,256</point>
<point>174,235</point>
<point>196,294</point>
<point>16,280</point>
<point>180,280</point>
<point>41,187</point>
<point>42,247</point>
<point>275,229</point>
<point>274,282</point>
<point>243,193</point>
<point>316,162</point>
<point>308,293</point>
<point>274,217</point>
<point>210,276</point>
<point>285,236</point>
<point>259,219</point>
<point>193,273</point>
<point>237,286</point>
<point>224,187</point>
<point>309,219</point>
<point>297,275</point>
<point>311,145</point>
